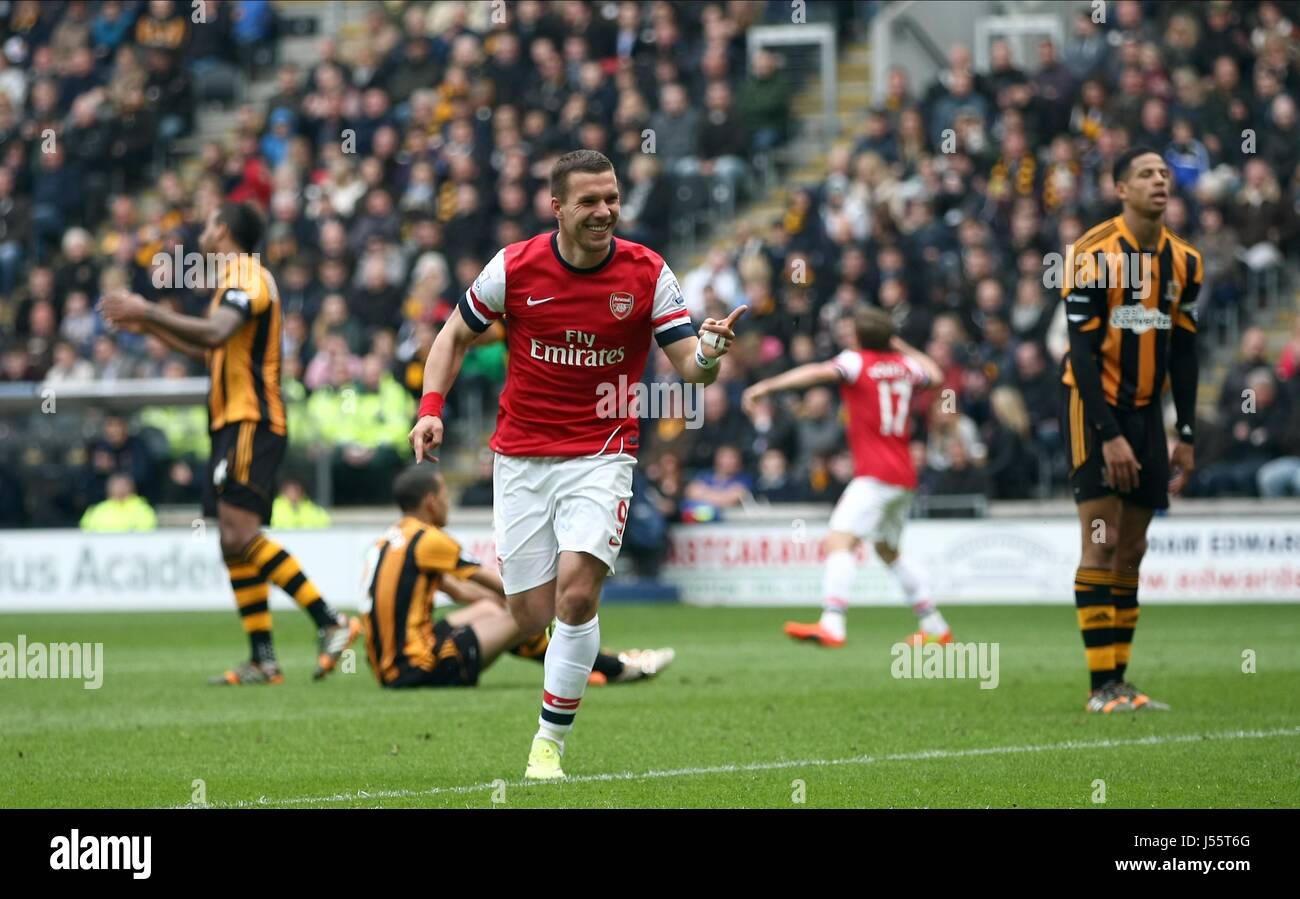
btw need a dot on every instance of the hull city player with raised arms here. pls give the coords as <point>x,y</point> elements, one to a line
<point>239,339</point>
<point>1130,301</point>
<point>580,308</point>
<point>876,382</point>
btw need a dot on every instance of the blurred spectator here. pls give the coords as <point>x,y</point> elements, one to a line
<point>724,139</point>
<point>1187,157</point>
<point>364,425</point>
<point>115,451</point>
<point>68,367</point>
<point>774,483</point>
<point>293,509</point>
<point>110,363</point>
<point>184,433</point>
<point>1260,214</point>
<point>211,54</point>
<point>944,428</point>
<point>1251,357</point>
<point>723,487</point>
<point>253,24</point>
<point>1288,361</point>
<point>1255,437</point>
<point>1281,476</point>
<point>646,210</point>
<point>666,486</point>
<point>15,223</point>
<point>1040,390</point>
<point>122,511</point>
<point>16,365</point>
<point>764,102</point>
<point>770,429</point>
<point>959,476</point>
<point>1086,50</point>
<point>676,128</point>
<point>716,275</point>
<point>1010,462</point>
<point>818,423</point>
<point>723,422</point>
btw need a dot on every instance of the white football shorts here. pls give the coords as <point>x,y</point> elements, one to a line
<point>542,506</point>
<point>872,510</point>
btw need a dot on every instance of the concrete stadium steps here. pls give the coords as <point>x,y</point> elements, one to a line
<point>1279,322</point>
<point>853,91</point>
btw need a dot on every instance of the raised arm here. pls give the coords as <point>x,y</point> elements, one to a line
<point>482,307</point>
<point>123,308</point>
<point>697,358</point>
<point>810,375</point>
<point>440,370</point>
<point>193,350</point>
<point>933,373</point>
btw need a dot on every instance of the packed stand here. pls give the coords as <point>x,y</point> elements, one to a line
<point>388,178</point>
<point>944,210</point>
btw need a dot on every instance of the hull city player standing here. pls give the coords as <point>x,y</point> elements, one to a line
<point>1130,301</point>
<point>580,308</point>
<point>240,342</point>
<point>876,383</point>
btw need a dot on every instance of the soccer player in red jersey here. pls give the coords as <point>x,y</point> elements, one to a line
<point>579,307</point>
<point>876,383</point>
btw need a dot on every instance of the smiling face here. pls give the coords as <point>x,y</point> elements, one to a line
<point>589,211</point>
<point>1145,188</point>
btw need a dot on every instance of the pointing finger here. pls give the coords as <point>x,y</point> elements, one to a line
<point>735,315</point>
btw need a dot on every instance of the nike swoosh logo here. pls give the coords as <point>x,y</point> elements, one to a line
<point>532,302</point>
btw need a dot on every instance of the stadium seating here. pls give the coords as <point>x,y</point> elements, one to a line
<point>167,115</point>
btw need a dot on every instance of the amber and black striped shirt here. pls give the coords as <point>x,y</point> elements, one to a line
<point>245,370</point>
<point>405,567</point>
<point>1131,315</point>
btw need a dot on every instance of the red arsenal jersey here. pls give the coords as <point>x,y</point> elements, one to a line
<point>877,390</point>
<point>578,340</point>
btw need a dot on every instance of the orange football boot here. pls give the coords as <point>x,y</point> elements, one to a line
<point>813,633</point>
<point>921,638</point>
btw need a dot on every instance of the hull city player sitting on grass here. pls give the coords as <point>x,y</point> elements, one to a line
<point>580,308</point>
<point>412,562</point>
<point>876,381</point>
<point>240,342</point>
<point>1130,302</point>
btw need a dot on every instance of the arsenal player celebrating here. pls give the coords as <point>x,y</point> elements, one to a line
<point>579,308</point>
<point>876,382</point>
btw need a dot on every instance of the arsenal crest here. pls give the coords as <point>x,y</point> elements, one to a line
<point>620,304</point>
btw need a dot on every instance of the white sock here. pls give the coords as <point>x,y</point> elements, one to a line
<point>569,659</point>
<point>837,584</point>
<point>917,592</point>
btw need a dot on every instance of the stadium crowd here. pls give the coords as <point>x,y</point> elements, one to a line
<point>390,175</point>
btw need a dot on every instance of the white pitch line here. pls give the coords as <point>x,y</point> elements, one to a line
<point>921,756</point>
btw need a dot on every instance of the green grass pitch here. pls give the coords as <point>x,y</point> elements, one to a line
<point>745,718</point>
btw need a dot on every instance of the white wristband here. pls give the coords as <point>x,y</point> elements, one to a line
<point>704,362</point>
